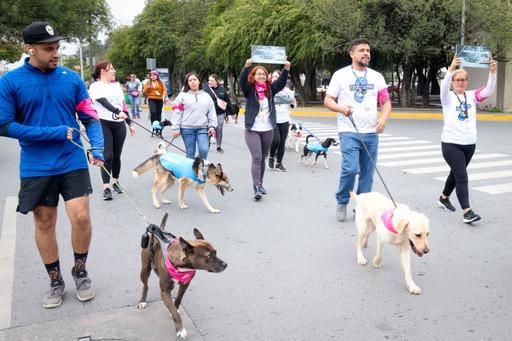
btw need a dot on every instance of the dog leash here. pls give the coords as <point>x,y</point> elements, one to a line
<point>169,143</point>
<point>371,159</point>
<point>308,131</point>
<point>130,200</point>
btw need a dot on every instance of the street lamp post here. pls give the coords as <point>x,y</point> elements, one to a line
<point>81,61</point>
<point>462,23</point>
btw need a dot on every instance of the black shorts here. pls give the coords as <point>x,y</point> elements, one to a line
<point>44,190</point>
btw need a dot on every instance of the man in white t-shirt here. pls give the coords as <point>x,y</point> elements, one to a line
<point>355,90</point>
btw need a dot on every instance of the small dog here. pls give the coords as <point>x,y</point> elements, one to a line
<point>189,173</point>
<point>158,127</point>
<point>318,149</point>
<point>398,226</point>
<point>170,264</point>
<point>294,136</point>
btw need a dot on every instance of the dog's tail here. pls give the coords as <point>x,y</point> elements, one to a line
<point>146,165</point>
<point>353,196</point>
<point>307,138</point>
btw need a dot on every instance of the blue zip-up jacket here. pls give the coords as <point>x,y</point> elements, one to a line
<point>37,108</point>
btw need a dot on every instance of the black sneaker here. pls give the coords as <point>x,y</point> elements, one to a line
<point>257,193</point>
<point>220,150</point>
<point>117,188</point>
<point>470,217</point>
<point>446,204</point>
<point>280,167</point>
<point>107,194</point>
<point>271,162</point>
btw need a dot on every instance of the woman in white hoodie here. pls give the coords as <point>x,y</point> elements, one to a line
<point>458,140</point>
<point>194,117</point>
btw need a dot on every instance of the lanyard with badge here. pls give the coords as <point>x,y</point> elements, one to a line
<point>463,105</point>
<point>262,115</point>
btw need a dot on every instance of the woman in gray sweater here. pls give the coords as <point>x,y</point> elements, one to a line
<point>194,117</point>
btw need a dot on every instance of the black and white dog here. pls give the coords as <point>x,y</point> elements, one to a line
<point>158,127</point>
<point>318,149</point>
<point>294,136</point>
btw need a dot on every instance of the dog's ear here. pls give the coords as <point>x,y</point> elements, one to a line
<point>211,168</point>
<point>198,234</point>
<point>197,166</point>
<point>402,224</point>
<point>186,247</point>
<point>218,170</point>
<point>164,221</point>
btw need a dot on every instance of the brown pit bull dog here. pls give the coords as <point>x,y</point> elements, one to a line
<point>176,265</point>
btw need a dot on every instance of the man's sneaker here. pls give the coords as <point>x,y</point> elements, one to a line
<point>280,167</point>
<point>271,162</point>
<point>53,297</point>
<point>117,188</point>
<point>258,193</point>
<point>84,290</point>
<point>470,217</point>
<point>341,212</point>
<point>446,204</point>
<point>107,194</point>
<point>220,150</point>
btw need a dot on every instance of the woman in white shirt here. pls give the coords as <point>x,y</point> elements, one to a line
<point>108,99</point>
<point>458,140</point>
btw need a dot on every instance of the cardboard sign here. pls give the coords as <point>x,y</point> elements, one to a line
<point>268,54</point>
<point>474,56</point>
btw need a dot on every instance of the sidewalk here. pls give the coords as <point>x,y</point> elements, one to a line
<point>151,324</point>
<point>397,113</point>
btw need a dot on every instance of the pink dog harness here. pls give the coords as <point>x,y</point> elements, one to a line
<point>387,219</point>
<point>182,276</point>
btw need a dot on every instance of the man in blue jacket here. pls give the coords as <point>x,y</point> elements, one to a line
<point>40,104</point>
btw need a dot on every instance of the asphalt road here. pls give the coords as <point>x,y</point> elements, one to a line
<point>292,272</point>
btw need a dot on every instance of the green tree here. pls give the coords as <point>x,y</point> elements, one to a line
<point>76,19</point>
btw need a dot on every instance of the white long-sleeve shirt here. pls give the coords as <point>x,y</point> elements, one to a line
<point>458,129</point>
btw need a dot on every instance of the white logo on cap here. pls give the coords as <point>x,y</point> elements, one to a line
<point>49,29</point>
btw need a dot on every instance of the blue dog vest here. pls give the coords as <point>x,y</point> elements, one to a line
<point>180,166</point>
<point>316,147</point>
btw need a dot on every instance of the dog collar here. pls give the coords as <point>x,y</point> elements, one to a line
<point>182,276</point>
<point>387,219</point>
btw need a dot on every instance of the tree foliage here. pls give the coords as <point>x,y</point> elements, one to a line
<point>76,19</point>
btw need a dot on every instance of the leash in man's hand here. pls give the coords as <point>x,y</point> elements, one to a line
<point>371,159</point>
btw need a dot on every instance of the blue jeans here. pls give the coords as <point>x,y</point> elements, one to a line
<point>191,136</point>
<point>135,101</point>
<point>355,161</point>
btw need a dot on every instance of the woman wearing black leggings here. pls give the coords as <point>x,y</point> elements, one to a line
<point>458,140</point>
<point>284,101</point>
<point>108,99</point>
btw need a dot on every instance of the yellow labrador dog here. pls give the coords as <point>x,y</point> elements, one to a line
<point>398,226</point>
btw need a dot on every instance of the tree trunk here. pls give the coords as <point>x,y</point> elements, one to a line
<point>399,83</point>
<point>231,84</point>
<point>432,76</point>
<point>406,85</point>
<point>310,83</point>
<point>423,86</point>
<point>298,86</point>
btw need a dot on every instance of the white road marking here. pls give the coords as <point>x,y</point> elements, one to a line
<point>399,149</point>
<point>495,189</point>
<point>438,169</point>
<point>7,254</point>
<point>403,143</point>
<point>406,155</point>
<point>436,160</point>
<point>484,176</point>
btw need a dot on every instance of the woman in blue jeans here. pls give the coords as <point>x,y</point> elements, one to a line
<point>194,117</point>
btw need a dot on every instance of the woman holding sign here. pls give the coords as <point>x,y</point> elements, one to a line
<point>458,140</point>
<point>260,116</point>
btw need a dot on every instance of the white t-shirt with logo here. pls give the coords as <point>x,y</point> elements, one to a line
<point>262,120</point>
<point>360,89</point>
<point>114,95</point>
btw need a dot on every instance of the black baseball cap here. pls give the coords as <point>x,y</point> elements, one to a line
<point>40,32</point>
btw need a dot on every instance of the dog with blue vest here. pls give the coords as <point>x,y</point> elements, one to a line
<point>158,127</point>
<point>170,167</point>
<point>318,149</point>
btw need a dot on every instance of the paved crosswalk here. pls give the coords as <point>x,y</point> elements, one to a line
<point>488,172</point>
